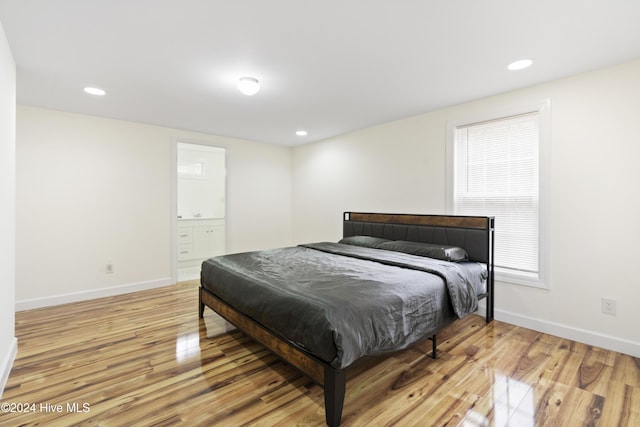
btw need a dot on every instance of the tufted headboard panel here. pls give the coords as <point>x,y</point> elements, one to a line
<point>472,233</point>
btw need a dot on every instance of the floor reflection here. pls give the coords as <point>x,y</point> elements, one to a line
<point>511,404</point>
<point>513,397</point>
<point>187,346</point>
<point>215,325</point>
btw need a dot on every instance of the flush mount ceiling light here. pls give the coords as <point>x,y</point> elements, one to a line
<point>95,91</point>
<point>248,85</point>
<point>520,65</point>
<point>301,132</point>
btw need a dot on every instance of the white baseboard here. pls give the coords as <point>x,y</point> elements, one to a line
<point>584,336</point>
<point>91,294</point>
<point>7,364</point>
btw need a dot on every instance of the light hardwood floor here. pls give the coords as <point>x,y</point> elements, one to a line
<point>146,359</point>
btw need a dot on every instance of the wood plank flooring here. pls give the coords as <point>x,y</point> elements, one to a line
<point>146,359</point>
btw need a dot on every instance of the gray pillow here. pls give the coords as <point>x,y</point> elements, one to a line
<point>443,252</point>
<point>366,241</point>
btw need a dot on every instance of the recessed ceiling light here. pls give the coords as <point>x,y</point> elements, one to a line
<point>248,85</point>
<point>301,133</point>
<point>520,65</point>
<point>94,91</point>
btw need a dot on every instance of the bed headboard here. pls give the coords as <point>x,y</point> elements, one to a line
<point>472,233</point>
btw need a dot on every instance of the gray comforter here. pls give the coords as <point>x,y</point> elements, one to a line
<point>342,302</point>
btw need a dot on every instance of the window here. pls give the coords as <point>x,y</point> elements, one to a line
<point>191,169</point>
<point>495,166</point>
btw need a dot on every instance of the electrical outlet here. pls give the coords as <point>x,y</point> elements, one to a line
<point>108,269</point>
<point>609,306</point>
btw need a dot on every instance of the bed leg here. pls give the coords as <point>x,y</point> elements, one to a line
<point>433,346</point>
<point>201,307</point>
<point>489,308</point>
<point>334,390</point>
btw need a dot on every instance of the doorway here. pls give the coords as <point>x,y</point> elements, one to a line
<point>200,207</point>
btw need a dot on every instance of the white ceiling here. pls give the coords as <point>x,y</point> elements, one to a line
<point>328,66</point>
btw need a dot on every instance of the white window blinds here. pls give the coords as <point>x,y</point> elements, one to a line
<point>496,172</point>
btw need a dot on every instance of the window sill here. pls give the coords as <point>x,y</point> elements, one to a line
<point>520,278</point>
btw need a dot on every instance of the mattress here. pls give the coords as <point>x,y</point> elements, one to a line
<point>341,302</point>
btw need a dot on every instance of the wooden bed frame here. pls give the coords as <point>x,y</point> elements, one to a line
<point>473,233</point>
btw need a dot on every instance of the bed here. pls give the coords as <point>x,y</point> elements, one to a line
<point>391,281</point>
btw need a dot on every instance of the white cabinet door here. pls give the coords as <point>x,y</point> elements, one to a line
<point>218,241</point>
<point>208,241</point>
<point>202,238</point>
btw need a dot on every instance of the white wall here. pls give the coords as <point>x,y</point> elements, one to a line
<point>595,147</point>
<point>8,342</point>
<point>92,190</point>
